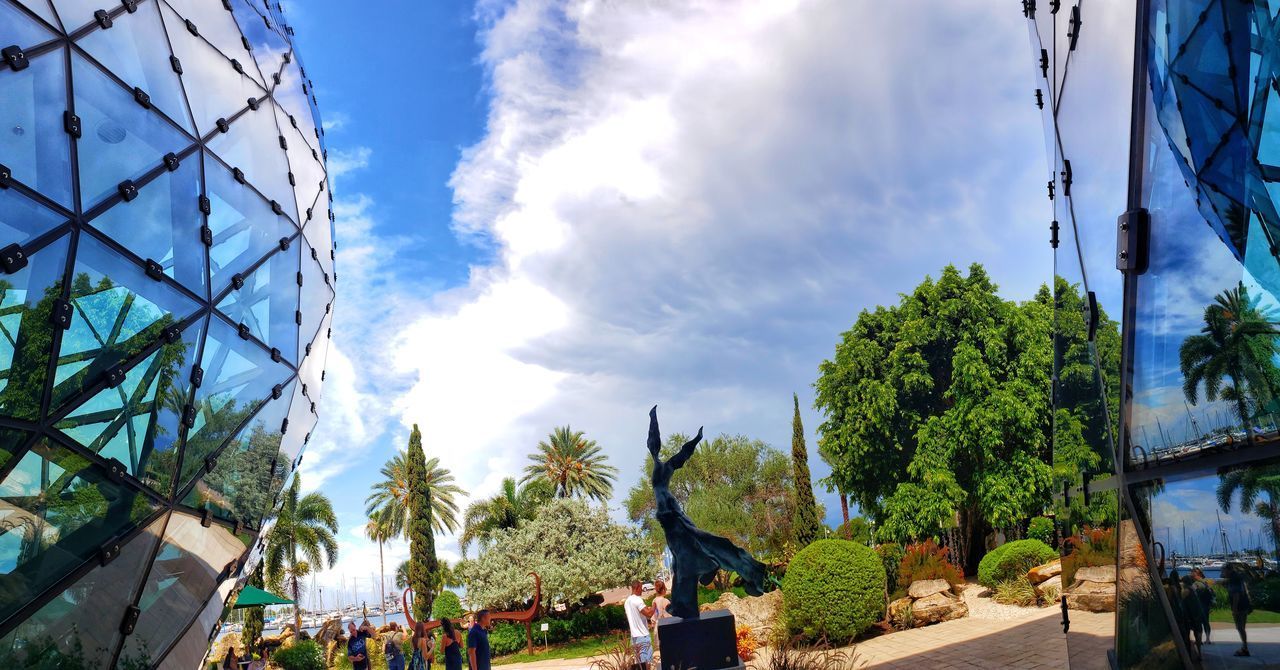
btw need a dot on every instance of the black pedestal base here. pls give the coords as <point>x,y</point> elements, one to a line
<point>707,643</point>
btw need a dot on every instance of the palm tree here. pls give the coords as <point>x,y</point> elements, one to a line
<point>506,510</point>
<point>379,530</point>
<point>1252,483</point>
<point>1237,343</point>
<point>306,525</point>
<point>390,496</point>
<point>573,465</point>
<point>448,575</point>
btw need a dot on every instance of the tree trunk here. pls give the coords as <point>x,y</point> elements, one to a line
<point>382,583</point>
<point>297,604</point>
<point>844,506</point>
<point>1275,526</point>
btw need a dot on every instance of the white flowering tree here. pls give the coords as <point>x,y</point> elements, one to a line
<point>576,549</point>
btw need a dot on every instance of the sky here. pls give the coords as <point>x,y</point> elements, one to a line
<point>557,213</point>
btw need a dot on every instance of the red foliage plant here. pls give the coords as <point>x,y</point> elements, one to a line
<point>926,560</point>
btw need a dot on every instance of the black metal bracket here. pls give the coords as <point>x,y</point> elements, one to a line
<point>238,174</point>
<point>71,124</point>
<point>108,552</point>
<point>235,64</point>
<point>275,354</point>
<point>128,190</point>
<point>1133,234</point>
<point>171,161</point>
<point>129,620</point>
<point>206,235</point>
<point>103,18</point>
<point>253,102</point>
<point>1066,177</point>
<point>283,144</point>
<point>243,331</point>
<point>237,280</point>
<point>205,206</point>
<point>1029,8</point>
<point>191,28</point>
<point>1093,315</point>
<point>1044,63</point>
<point>197,376</point>
<point>154,269</point>
<point>284,426</point>
<point>276,392</point>
<point>15,57</point>
<point>189,415</point>
<point>222,125</point>
<point>206,519</point>
<point>13,258</point>
<point>284,244</point>
<point>1053,234</point>
<point>1039,99</point>
<point>6,176</point>
<point>275,207</point>
<point>1073,32</point>
<point>113,376</point>
<point>175,64</point>
<point>130,6</point>
<point>172,334</point>
<point>60,314</point>
<point>140,96</point>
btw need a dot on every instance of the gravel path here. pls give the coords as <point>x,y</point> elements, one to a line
<point>981,607</point>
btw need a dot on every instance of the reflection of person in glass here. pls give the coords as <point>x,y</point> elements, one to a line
<point>1193,615</point>
<point>1238,597</point>
<point>1204,593</point>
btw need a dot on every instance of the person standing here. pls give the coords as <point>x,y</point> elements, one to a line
<point>394,650</point>
<point>1204,593</point>
<point>638,621</point>
<point>1241,605</point>
<point>358,647</point>
<point>660,604</point>
<point>478,642</point>
<point>452,645</point>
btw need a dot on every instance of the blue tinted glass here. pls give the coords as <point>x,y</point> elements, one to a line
<point>316,298</point>
<point>121,140</point>
<point>253,144</point>
<point>60,510</point>
<point>243,225</point>
<point>238,376</point>
<point>16,27</point>
<point>163,224</point>
<point>268,47</point>
<point>26,334</point>
<point>22,219</point>
<point>117,310</point>
<point>218,26</point>
<point>76,13</point>
<point>267,303</point>
<point>33,143</point>
<point>43,9</point>
<point>213,86</point>
<point>129,51</point>
<point>139,421</point>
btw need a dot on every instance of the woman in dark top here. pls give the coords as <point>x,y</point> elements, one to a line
<point>230,661</point>
<point>1238,598</point>
<point>452,645</point>
<point>421,648</point>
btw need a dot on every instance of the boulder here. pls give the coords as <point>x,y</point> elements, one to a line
<point>927,587</point>
<point>1050,589</point>
<point>937,608</point>
<point>1091,596</point>
<point>1041,573</point>
<point>1103,574</point>
<point>900,613</point>
<point>758,613</point>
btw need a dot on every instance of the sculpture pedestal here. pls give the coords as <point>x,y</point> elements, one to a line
<point>706,643</point>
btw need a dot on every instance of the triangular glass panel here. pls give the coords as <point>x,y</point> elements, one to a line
<point>133,50</point>
<point>23,219</point>
<point>1269,143</point>
<point>27,300</point>
<point>252,144</point>
<point>319,234</point>
<point>116,312</point>
<point>42,9</point>
<point>267,302</point>
<point>185,573</point>
<point>191,648</point>
<point>308,173</point>
<point>33,143</point>
<point>268,46</point>
<point>316,298</point>
<point>139,421</point>
<point>301,421</point>
<point>60,509</point>
<point>312,369</point>
<point>163,224</point>
<point>11,442</point>
<point>293,96</point>
<point>17,27</point>
<point>213,86</point>
<point>239,487</point>
<point>77,13</point>
<point>244,227</point>
<point>238,376</point>
<point>80,627</point>
<point>216,24</point>
<point>121,140</point>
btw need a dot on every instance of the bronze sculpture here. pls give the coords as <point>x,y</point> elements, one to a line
<point>696,554</point>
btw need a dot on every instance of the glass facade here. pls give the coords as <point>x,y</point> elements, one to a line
<point>166,285</point>
<point>1173,511</point>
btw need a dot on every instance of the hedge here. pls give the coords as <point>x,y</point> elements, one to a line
<point>447,604</point>
<point>1012,560</point>
<point>304,655</point>
<point>834,589</point>
<point>509,638</point>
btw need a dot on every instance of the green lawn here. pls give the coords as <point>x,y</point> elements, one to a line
<point>1223,615</point>
<point>588,646</point>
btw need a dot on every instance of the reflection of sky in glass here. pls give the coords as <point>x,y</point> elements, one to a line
<point>1193,504</point>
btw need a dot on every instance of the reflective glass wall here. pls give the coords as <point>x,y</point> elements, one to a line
<point>166,274</point>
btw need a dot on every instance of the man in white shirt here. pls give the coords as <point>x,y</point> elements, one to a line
<point>638,621</point>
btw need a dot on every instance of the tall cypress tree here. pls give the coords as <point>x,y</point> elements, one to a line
<point>807,524</point>
<point>253,622</point>
<point>422,543</point>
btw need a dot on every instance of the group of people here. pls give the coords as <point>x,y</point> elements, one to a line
<point>1192,597</point>
<point>422,645</point>
<point>642,618</point>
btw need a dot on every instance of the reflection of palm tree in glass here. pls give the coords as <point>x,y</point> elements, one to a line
<point>1252,484</point>
<point>1237,345</point>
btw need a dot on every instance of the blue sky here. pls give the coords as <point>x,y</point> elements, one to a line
<point>566,212</point>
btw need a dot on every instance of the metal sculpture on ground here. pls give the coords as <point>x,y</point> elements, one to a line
<point>696,554</point>
<point>524,616</point>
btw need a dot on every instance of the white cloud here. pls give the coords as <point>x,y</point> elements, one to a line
<point>343,161</point>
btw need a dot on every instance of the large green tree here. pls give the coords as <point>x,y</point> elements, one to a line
<point>390,497</point>
<point>576,549</point>
<point>573,465</point>
<point>732,486</point>
<point>808,521</point>
<point>513,505</point>
<point>422,544</point>
<point>305,526</point>
<point>937,411</point>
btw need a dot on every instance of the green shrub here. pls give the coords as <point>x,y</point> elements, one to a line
<point>447,604</point>
<point>509,638</point>
<point>926,560</point>
<point>833,589</point>
<point>1018,591</point>
<point>305,655</point>
<point>891,554</point>
<point>1041,528</point>
<point>1012,560</point>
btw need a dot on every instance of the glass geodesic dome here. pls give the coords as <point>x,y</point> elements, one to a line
<point>166,272</point>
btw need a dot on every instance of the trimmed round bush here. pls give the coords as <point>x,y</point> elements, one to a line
<point>834,589</point>
<point>303,655</point>
<point>447,604</point>
<point>1012,560</point>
